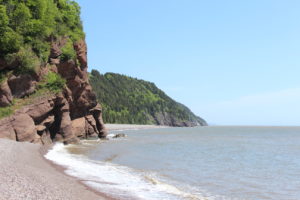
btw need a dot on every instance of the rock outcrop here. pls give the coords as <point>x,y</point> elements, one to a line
<point>68,116</point>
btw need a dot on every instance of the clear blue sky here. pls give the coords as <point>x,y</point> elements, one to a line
<point>232,62</point>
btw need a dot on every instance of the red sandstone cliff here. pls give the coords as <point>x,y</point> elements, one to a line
<point>72,114</point>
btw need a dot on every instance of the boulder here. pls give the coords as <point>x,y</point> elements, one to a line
<point>21,85</point>
<point>120,135</point>
<point>5,94</point>
<point>25,128</point>
<point>6,129</point>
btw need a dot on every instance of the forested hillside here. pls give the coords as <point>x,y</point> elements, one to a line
<point>130,100</point>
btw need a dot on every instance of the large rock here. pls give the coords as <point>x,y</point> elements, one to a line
<point>79,127</point>
<point>25,128</point>
<point>66,125</point>
<point>97,114</point>
<point>91,126</point>
<point>40,111</point>
<point>5,94</point>
<point>6,129</point>
<point>21,85</point>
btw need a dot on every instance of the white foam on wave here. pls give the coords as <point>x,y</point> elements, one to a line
<point>115,180</point>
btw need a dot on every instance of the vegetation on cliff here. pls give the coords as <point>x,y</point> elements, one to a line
<point>130,100</point>
<point>44,87</point>
<point>27,28</point>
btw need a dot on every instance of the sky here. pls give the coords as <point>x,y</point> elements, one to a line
<point>231,62</point>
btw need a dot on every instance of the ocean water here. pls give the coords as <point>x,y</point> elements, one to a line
<point>219,163</point>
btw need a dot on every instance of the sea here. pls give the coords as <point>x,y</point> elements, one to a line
<point>205,163</point>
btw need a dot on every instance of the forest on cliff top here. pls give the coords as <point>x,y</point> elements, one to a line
<point>133,101</point>
<point>27,28</point>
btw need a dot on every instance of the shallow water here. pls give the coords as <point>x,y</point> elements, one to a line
<point>190,163</point>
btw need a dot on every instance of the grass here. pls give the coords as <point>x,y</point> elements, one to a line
<point>6,112</point>
<point>52,82</point>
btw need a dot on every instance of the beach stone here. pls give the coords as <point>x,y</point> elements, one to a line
<point>120,135</point>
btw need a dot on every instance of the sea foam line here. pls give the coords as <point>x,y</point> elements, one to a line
<point>115,180</point>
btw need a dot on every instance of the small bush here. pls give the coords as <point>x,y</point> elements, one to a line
<point>53,82</point>
<point>68,52</point>
<point>5,112</point>
<point>26,59</point>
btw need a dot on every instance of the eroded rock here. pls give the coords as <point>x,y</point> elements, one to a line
<point>6,129</point>
<point>79,127</point>
<point>25,128</point>
<point>21,85</point>
<point>5,95</point>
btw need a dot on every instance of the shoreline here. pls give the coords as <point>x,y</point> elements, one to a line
<point>26,173</point>
<point>61,169</point>
<point>124,127</point>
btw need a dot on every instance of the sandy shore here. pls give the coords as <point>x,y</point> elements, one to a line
<point>25,174</point>
<point>120,127</point>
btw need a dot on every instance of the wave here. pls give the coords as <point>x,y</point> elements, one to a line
<point>118,181</point>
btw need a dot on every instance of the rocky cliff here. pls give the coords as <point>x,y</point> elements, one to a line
<point>45,94</point>
<point>65,116</point>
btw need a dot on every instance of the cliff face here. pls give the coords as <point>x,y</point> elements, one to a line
<point>66,116</point>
